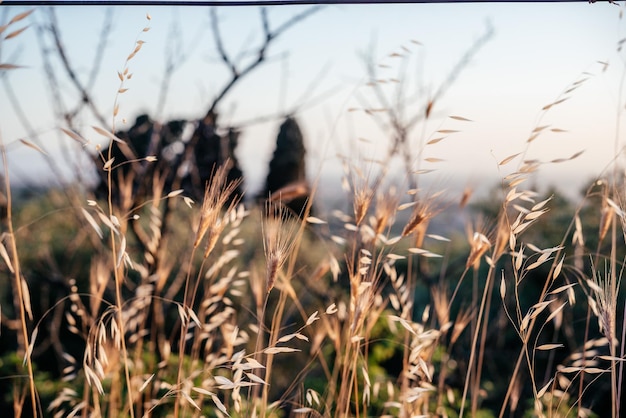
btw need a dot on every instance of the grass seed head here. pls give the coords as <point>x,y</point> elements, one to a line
<point>465,197</point>
<point>462,320</point>
<point>363,192</point>
<point>479,244</point>
<point>217,193</point>
<point>386,206</point>
<point>362,201</point>
<point>423,212</point>
<point>606,306</point>
<point>606,219</point>
<point>502,237</point>
<point>440,303</point>
<point>279,232</point>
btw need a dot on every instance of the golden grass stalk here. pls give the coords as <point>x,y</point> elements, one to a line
<point>606,305</point>
<point>217,193</point>
<point>118,253</point>
<point>423,211</point>
<point>278,240</point>
<point>363,193</point>
<point>440,305</point>
<point>20,287</point>
<point>386,207</point>
<point>607,213</point>
<point>479,244</point>
<point>22,300</point>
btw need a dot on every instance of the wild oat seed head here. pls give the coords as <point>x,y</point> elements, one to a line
<point>422,213</point>
<point>362,191</point>
<point>440,302</point>
<point>462,320</point>
<point>479,245</point>
<point>502,233</point>
<point>278,240</point>
<point>386,206</point>
<point>606,304</point>
<point>216,195</point>
<point>606,219</point>
<point>362,201</point>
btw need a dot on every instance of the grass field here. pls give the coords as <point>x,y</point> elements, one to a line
<point>159,305</point>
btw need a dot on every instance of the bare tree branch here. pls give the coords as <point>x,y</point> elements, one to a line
<point>220,44</point>
<point>269,36</point>
<point>102,43</point>
<point>455,72</point>
<point>306,101</point>
<point>55,91</point>
<point>32,134</point>
<point>175,57</point>
<point>85,96</point>
<point>390,113</point>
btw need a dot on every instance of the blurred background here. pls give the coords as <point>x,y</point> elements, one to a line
<point>343,71</point>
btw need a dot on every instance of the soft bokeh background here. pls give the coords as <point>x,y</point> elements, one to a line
<point>535,53</point>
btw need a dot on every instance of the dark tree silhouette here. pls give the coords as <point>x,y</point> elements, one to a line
<point>206,150</point>
<point>286,180</point>
<point>145,138</point>
<point>210,151</point>
<point>181,162</point>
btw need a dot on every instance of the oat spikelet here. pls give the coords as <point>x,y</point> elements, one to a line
<point>463,319</point>
<point>216,195</point>
<point>278,240</point>
<point>440,303</point>
<point>362,201</point>
<point>465,197</point>
<point>417,217</point>
<point>423,212</point>
<point>479,245</point>
<point>363,193</point>
<point>503,235</point>
<point>386,205</point>
<point>607,305</point>
<point>606,219</point>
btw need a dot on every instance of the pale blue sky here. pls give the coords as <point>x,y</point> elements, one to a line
<point>537,50</point>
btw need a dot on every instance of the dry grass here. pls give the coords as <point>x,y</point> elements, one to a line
<point>231,310</point>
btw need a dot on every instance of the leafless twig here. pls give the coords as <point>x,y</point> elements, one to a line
<point>269,35</point>
<point>175,56</point>
<point>84,93</point>
<point>391,112</point>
